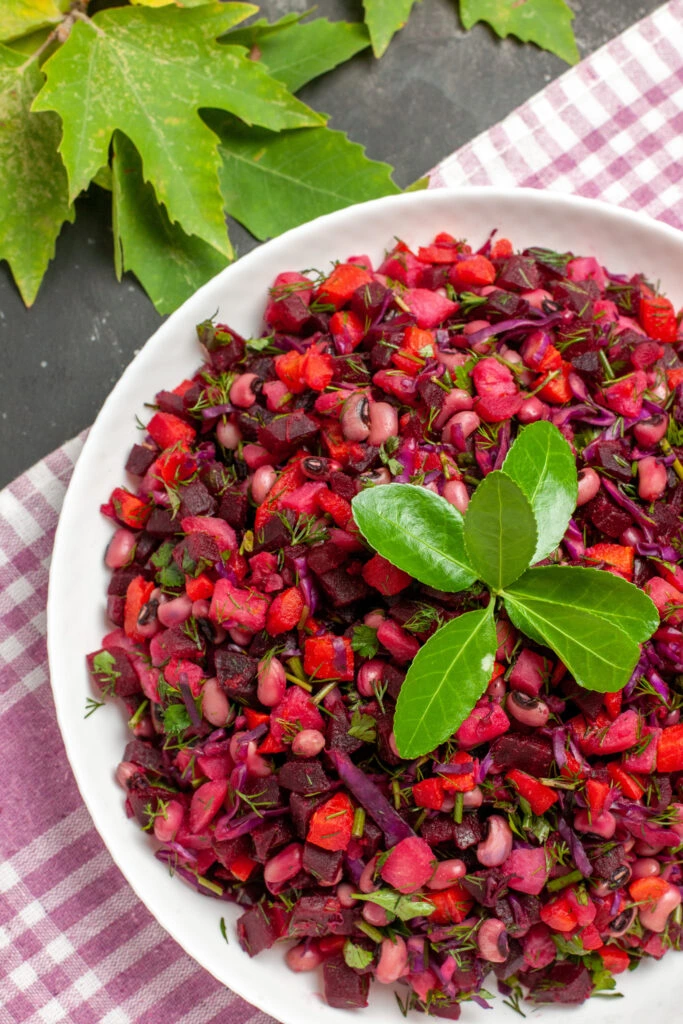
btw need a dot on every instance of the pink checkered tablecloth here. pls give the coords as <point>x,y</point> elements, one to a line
<point>76,945</point>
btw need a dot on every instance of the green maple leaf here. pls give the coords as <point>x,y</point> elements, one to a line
<point>544,22</point>
<point>296,52</point>
<point>169,264</point>
<point>20,17</point>
<point>33,210</point>
<point>148,72</point>
<point>384,18</point>
<point>272,182</point>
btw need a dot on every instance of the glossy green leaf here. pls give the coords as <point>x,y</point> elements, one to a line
<point>548,23</point>
<point>357,956</point>
<point>598,653</point>
<point>541,462</point>
<point>148,72</point>
<point>384,18</point>
<point>169,264</point>
<point>22,17</point>
<point>418,531</point>
<point>272,182</point>
<point>295,52</point>
<point>34,202</point>
<point>595,591</point>
<point>447,677</point>
<point>499,530</point>
<point>405,908</point>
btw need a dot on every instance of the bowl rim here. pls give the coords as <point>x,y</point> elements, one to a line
<point>269,1000</point>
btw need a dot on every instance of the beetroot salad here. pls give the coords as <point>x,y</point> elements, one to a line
<point>259,643</point>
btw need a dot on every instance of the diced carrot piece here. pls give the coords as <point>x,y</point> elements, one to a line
<point>596,795</point>
<point>242,866</point>
<point>290,370</point>
<point>615,960</point>
<point>429,793</point>
<point>129,509</point>
<point>255,718</point>
<point>472,273</point>
<point>331,823</point>
<point>347,330</point>
<point>539,796</point>
<point>621,556</point>
<point>501,249</point>
<point>629,785</point>
<point>318,369</point>
<point>461,783</point>
<point>199,588</point>
<point>648,890</point>
<point>559,914</point>
<point>670,749</point>
<point>452,905</point>
<point>137,595</point>
<point>338,288</point>
<point>657,317</point>
<point>167,429</point>
<point>285,611</point>
<point>328,657</point>
<point>674,378</point>
<point>613,702</point>
<point>557,390</point>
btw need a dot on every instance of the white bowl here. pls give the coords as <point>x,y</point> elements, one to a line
<point>624,242</point>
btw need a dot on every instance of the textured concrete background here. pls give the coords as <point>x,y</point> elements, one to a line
<point>435,88</point>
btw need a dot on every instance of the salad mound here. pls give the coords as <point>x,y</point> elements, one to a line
<point>259,644</point>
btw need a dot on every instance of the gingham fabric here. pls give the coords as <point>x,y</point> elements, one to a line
<point>75,943</point>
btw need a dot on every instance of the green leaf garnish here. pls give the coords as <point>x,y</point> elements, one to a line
<point>418,531</point>
<point>176,719</point>
<point>551,492</point>
<point>598,654</point>
<point>608,596</point>
<point>364,640</point>
<point>403,907</point>
<point>356,956</point>
<point>500,531</point>
<point>447,677</point>
<point>593,620</point>
<point>384,18</point>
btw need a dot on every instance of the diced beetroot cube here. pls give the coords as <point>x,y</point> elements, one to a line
<point>113,670</point>
<point>140,459</point>
<point>143,753</point>
<point>282,436</point>
<point>236,673</point>
<point>538,946</point>
<point>324,865</point>
<point>483,724</point>
<point>385,577</point>
<point>233,508</point>
<point>532,754</point>
<point>342,589</point>
<point>258,928</point>
<point>301,809</point>
<point>345,988</point>
<point>438,830</point>
<point>325,557</point>
<point>196,500</point>
<point>530,672</point>
<point>527,869</point>
<point>562,983</point>
<point>304,776</point>
<point>319,915</point>
<point>410,865</point>
<point>266,838</point>
<point>296,711</point>
<point>174,643</point>
<point>468,832</point>
<point>607,517</point>
<point>233,606</point>
<point>328,657</point>
<point>287,308</point>
<point>429,308</point>
<point>161,523</point>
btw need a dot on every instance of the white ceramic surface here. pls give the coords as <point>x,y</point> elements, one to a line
<point>624,242</point>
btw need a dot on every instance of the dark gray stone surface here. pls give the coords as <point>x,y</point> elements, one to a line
<point>435,88</point>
